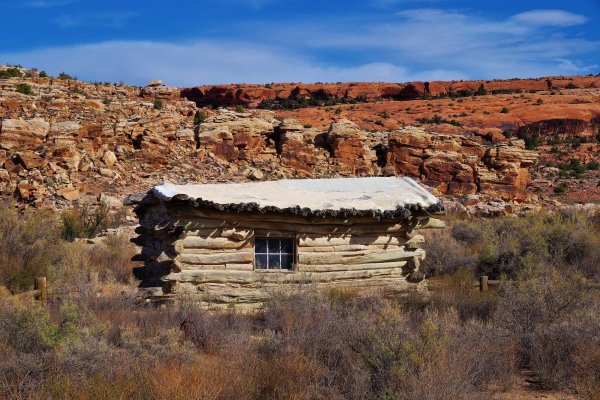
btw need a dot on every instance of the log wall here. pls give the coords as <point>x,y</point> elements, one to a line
<point>210,254</point>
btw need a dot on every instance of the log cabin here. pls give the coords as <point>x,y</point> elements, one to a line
<point>235,244</point>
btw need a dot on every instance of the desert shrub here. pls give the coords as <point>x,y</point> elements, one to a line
<point>24,88</point>
<point>504,110</point>
<point>200,117</point>
<point>28,328</point>
<point>158,104</point>
<point>548,316</point>
<point>86,222</point>
<point>112,258</point>
<point>445,254</point>
<point>466,233</point>
<point>29,246</point>
<point>587,368</point>
<point>240,109</point>
<point>12,72</point>
<point>512,246</point>
<point>561,188</point>
<point>66,77</point>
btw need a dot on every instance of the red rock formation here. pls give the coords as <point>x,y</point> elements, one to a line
<point>252,95</point>
<point>352,154</point>
<point>458,166</point>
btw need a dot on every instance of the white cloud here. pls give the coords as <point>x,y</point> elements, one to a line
<point>421,44</point>
<point>200,62</point>
<point>549,18</point>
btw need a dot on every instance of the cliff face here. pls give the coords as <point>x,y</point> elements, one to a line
<point>283,95</point>
<point>70,142</point>
<point>452,164</point>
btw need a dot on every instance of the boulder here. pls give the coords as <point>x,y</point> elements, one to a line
<point>70,194</point>
<point>109,158</point>
<point>23,133</point>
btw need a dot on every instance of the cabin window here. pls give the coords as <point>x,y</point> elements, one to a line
<point>273,253</point>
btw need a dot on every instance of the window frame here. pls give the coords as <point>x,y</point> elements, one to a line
<point>267,237</point>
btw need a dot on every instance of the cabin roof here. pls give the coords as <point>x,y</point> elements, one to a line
<point>371,196</point>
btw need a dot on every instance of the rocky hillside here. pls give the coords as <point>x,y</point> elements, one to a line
<point>64,142</point>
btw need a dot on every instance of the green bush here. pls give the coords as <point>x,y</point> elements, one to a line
<point>66,77</point>
<point>200,117</point>
<point>561,188</point>
<point>10,73</point>
<point>158,104</point>
<point>240,109</point>
<point>87,222</point>
<point>504,110</point>
<point>43,74</point>
<point>593,165</point>
<point>24,88</point>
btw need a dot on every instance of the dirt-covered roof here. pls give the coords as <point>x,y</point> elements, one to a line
<point>379,197</point>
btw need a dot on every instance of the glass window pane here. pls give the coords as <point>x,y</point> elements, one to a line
<point>260,261</point>
<point>274,262</point>
<point>287,245</point>
<point>287,261</point>
<point>260,245</point>
<point>273,245</point>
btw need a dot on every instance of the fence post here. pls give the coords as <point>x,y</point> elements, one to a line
<point>483,283</point>
<point>40,284</point>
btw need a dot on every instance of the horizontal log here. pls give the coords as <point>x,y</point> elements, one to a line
<point>415,242</point>
<point>348,248</point>
<point>253,277</point>
<point>318,241</point>
<point>222,258</point>
<point>185,212</point>
<point>240,266</point>
<point>430,223</point>
<point>274,233</point>
<point>213,251</point>
<point>352,258</point>
<point>198,242</point>
<point>344,267</point>
<point>375,228</point>
<point>221,231</point>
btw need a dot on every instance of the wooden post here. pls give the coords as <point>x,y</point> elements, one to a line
<point>483,283</point>
<point>40,284</point>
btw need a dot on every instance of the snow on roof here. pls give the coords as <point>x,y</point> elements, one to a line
<point>366,195</point>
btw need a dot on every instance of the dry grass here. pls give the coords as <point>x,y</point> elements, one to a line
<point>456,343</point>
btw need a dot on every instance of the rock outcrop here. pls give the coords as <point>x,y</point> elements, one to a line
<point>281,95</point>
<point>72,143</point>
<point>458,165</point>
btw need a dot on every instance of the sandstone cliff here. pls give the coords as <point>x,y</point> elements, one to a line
<point>69,142</point>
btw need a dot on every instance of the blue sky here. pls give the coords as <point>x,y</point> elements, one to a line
<point>193,42</point>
